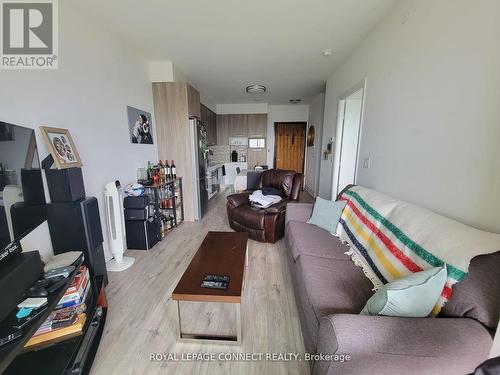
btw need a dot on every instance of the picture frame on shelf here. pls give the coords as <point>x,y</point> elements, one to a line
<point>61,147</point>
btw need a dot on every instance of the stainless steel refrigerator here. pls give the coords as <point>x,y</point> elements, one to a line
<point>199,153</point>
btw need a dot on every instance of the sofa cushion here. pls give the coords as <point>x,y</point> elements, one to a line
<point>334,286</point>
<point>279,179</point>
<point>308,239</point>
<point>476,296</point>
<point>394,346</point>
<point>298,212</point>
<point>324,286</point>
<point>248,216</point>
<point>326,214</point>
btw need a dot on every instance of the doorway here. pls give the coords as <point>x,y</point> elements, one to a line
<point>349,128</point>
<point>289,145</point>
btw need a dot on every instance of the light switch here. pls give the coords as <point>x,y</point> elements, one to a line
<point>367,162</point>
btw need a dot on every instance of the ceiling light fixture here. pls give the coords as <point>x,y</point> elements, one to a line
<point>327,52</point>
<point>256,89</point>
<point>295,101</point>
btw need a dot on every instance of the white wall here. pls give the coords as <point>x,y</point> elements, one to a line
<point>98,77</point>
<point>313,153</point>
<point>282,113</point>
<point>431,115</point>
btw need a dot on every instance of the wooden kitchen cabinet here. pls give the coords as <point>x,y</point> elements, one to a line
<point>209,118</point>
<point>257,125</point>
<point>193,99</point>
<point>223,130</point>
<point>238,125</point>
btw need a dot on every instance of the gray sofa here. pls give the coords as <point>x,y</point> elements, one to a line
<point>330,291</point>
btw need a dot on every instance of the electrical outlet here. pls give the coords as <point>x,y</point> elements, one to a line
<point>367,163</point>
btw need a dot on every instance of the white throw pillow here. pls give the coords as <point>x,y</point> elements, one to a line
<point>411,296</point>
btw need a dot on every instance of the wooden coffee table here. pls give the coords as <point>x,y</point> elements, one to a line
<point>221,253</point>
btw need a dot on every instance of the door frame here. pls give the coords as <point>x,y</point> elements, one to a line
<point>340,133</point>
<point>304,126</point>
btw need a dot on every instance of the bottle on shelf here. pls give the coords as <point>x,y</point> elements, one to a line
<point>165,171</point>
<point>168,170</point>
<point>155,175</point>
<point>173,170</point>
<point>149,171</point>
<point>161,172</point>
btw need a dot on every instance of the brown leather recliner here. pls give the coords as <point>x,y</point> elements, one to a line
<point>264,224</point>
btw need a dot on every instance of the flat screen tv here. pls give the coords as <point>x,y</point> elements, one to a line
<point>22,196</point>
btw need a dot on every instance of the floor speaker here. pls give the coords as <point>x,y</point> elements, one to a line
<point>142,235</point>
<point>77,226</point>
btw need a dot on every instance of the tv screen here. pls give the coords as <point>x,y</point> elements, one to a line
<point>22,197</point>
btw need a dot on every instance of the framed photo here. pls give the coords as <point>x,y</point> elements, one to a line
<point>61,147</point>
<point>6,132</point>
<point>140,126</point>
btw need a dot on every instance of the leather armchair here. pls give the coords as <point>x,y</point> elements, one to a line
<point>268,224</point>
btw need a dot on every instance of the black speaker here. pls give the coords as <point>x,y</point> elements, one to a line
<point>142,235</point>
<point>16,276</point>
<point>65,185</point>
<point>136,202</point>
<point>136,214</point>
<point>77,226</point>
<point>32,184</point>
<point>26,217</point>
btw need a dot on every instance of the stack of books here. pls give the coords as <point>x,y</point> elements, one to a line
<point>68,318</point>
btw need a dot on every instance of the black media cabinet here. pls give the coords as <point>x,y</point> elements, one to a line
<point>74,355</point>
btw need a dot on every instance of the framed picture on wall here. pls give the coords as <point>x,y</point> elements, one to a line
<point>61,147</point>
<point>6,132</point>
<point>140,126</point>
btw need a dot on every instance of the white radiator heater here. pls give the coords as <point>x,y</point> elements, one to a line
<point>116,228</point>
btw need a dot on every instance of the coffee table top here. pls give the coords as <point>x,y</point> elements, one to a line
<point>221,253</point>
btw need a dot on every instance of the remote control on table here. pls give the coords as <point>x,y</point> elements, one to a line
<point>11,337</point>
<point>216,278</point>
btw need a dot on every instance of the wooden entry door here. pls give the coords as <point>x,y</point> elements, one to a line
<point>289,145</point>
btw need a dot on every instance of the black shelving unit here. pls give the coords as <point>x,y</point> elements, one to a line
<point>167,200</point>
<point>71,356</point>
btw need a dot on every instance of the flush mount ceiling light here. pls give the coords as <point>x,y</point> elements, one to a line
<point>295,101</point>
<point>327,52</point>
<point>256,89</point>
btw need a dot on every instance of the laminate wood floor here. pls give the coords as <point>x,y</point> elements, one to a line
<point>142,317</point>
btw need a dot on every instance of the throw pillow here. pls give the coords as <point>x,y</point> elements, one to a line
<point>268,190</point>
<point>413,296</point>
<point>326,214</point>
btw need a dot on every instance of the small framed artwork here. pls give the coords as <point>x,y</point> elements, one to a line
<point>61,147</point>
<point>6,132</point>
<point>140,126</point>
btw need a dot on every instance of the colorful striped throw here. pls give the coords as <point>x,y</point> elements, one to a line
<point>390,239</point>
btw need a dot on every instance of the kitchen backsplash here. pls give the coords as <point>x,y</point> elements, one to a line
<point>222,154</point>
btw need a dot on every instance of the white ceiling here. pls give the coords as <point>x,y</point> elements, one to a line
<point>222,46</point>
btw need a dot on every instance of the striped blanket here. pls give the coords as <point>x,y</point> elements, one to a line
<point>390,239</point>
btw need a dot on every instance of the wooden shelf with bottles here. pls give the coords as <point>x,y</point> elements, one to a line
<point>168,203</point>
